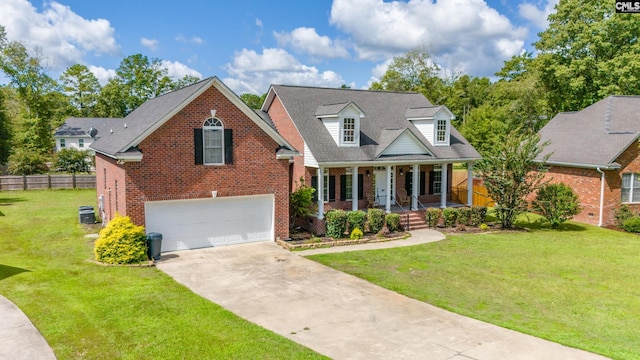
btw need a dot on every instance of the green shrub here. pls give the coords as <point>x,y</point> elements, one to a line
<point>557,203</point>
<point>336,223</point>
<point>449,215</point>
<point>622,214</point>
<point>375,218</point>
<point>478,215</point>
<point>484,226</point>
<point>356,234</point>
<point>301,202</point>
<point>356,219</point>
<point>432,216</point>
<point>464,215</point>
<point>632,224</point>
<point>121,242</point>
<point>393,222</point>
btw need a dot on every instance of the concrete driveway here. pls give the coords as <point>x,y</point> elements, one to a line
<point>339,315</point>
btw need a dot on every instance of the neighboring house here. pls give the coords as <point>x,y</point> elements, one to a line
<point>369,148</point>
<point>198,166</point>
<point>76,132</point>
<point>595,151</point>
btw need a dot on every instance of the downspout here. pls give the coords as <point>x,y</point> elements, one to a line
<point>601,195</point>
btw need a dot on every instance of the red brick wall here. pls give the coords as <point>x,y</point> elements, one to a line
<point>586,184</point>
<point>109,175</point>
<point>168,171</point>
<point>288,130</point>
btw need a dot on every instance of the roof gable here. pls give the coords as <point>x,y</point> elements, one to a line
<point>152,114</point>
<point>404,143</point>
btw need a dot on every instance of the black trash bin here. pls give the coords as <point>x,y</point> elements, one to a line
<point>86,215</point>
<point>154,245</point>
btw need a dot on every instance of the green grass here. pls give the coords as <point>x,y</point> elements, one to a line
<point>578,286</point>
<point>89,311</point>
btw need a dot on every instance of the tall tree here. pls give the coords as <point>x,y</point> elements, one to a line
<point>587,53</point>
<point>415,71</point>
<point>82,88</point>
<point>37,90</point>
<point>5,132</point>
<point>141,79</point>
<point>511,173</point>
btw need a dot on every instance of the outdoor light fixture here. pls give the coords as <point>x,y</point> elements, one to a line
<point>368,173</point>
<point>401,172</point>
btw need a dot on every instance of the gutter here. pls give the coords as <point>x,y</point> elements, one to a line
<point>612,166</point>
<point>601,195</point>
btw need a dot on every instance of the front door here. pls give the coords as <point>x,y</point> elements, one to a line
<point>381,187</point>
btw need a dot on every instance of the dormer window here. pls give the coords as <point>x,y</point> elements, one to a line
<point>349,130</point>
<point>441,131</point>
<point>342,121</point>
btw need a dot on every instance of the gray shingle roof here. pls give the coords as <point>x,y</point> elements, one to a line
<point>153,113</point>
<point>80,126</point>
<point>384,111</point>
<point>594,136</point>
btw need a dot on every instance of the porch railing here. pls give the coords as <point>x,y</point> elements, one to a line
<point>420,204</point>
<point>406,227</point>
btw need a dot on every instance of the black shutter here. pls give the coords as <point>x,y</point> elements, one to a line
<point>314,184</point>
<point>431,177</point>
<point>360,186</point>
<point>423,181</point>
<point>332,188</point>
<point>343,187</point>
<point>198,146</point>
<point>408,183</point>
<point>228,146</point>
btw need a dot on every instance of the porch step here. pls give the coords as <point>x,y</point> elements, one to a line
<point>416,221</point>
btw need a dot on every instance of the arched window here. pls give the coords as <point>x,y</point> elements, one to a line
<point>213,141</point>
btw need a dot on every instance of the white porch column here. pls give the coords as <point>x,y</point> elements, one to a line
<point>415,182</point>
<point>320,193</point>
<point>354,188</point>
<point>387,206</point>
<point>470,184</point>
<point>444,181</point>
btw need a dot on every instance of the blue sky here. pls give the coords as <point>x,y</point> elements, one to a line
<point>252,44</point>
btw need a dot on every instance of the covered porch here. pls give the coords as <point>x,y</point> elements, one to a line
<point>393,187</point>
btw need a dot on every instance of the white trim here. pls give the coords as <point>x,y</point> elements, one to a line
<point>444,181</point>
<point>415,139</point>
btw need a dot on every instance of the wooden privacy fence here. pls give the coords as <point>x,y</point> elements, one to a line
<point>33,182</point>
<point>481,197</point>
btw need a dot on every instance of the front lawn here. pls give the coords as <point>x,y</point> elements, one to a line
<point>578,286</point>
<point>89,311</point>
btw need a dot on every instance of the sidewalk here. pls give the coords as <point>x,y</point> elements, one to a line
<point>19,337</point>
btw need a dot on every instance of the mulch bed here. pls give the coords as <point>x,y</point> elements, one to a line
<point>301,241</point>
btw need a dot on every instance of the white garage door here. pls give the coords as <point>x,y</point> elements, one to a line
<point>192,224</point>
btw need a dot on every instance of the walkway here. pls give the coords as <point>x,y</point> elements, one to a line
<point>19,338</point>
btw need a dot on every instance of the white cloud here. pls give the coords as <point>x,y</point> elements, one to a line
<point>63,35</point>
<point>151,44</point>
<point>193,40</point>
<point>178,70</point>
<point>102,74</point>
<point>537,17</point>
<point>307,40</point>
<point>251,72</point>
<point>460,31</point>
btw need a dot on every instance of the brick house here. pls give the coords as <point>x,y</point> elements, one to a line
<point>369,148</point>
<point>595,151</point>
<point>198,166</point>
